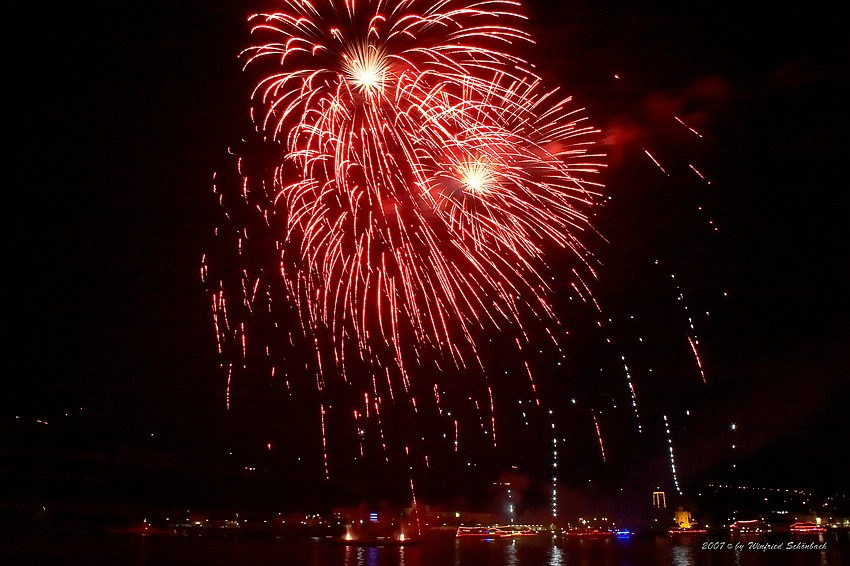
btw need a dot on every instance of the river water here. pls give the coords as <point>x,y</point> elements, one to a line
<point>435,550</point>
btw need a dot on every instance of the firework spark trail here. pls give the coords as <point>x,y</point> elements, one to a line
<point>360,432</point>
<point>699,173</point>
<point>388,100</point>
<point>672,455</point>
<point>227,389</point>
<point>690,129</point>
<point>554,500</point>
<point>381,428</point>
<point>632,393</point>
<point>585,293</point>
<point>457,436</point>
<point>657,164</point>
<point>462,286</point>
<point>324,440</point>
<point>598,435</point>
<point>419,176</point>
<point>693,340</point>
<point>346,95</point>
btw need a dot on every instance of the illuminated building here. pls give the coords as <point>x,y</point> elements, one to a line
<point>683,519</point>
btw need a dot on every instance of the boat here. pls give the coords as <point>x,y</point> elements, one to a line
<point>481,532</point>
<point>676,532</point>
<point>516,530</point>
<point>750,527</point>
<point>807,527</point>
<point>685,526</point>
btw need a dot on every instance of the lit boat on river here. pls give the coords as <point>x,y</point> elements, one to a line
<point>481,532</point>
<point>807,527</point>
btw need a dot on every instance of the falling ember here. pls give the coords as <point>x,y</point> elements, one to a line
<point>554,501</point>
<point>692,341</point>
<point>699,174</point>
<point>227,389</point>
<point>599,436</point>
<point>421,173</point>
<point>631,392</point>
<point>456,442</point>
<point>690,129</point>
<point>657,164</point>
<point>672,456</point>
<point>412,186</point>
<point>324,441</point>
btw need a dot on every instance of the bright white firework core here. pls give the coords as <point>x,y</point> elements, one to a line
<point>366,68</point>
<point>477,178</point>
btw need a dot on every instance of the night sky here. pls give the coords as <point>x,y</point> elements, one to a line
<point>120,115</point>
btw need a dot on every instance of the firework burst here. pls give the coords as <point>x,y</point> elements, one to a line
<point>419,175</point>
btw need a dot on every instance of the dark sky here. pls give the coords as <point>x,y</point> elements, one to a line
<point>121,114</point>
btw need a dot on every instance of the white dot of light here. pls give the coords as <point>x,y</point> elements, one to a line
<point>366,69</point>
<point>476,176</point>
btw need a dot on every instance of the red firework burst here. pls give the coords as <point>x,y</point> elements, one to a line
<point>420,172</point>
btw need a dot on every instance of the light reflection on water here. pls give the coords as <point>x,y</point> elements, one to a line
<point>511,554</point>
<point>681,556</point>
<point>556,557</point>
<point>438,551</point>
<point>375,555</point>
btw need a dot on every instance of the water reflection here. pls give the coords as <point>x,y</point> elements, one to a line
<point>438,551</point>
<point>363,556</point>
<point>510,554</point>
<point>556,557</point>
<point>824,559</point>
<point>681,556</point>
